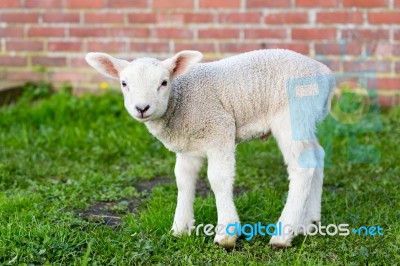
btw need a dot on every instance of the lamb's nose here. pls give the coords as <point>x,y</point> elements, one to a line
<point>142,110</point>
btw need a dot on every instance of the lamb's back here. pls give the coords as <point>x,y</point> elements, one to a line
<point>251,83</point>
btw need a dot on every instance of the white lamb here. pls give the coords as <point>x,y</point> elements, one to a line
<point>203,110</point>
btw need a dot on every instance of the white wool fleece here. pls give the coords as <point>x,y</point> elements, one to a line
<point>202,110</point>
<point>235,97</point>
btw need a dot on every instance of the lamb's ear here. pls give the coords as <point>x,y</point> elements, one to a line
<point>106,64</point>
<point>182,62</point>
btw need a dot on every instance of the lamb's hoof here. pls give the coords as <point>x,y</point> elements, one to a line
<point>178,232</point>
<point>225,241</point>
<point>278,242</point>
<point>175,233</point>
<point>179,229</point>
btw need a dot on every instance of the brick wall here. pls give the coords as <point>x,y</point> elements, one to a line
<point>348,35</point>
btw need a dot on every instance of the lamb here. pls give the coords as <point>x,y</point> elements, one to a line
<point>203,110</point>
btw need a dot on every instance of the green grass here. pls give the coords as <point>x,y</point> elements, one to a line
<point>63,156</point>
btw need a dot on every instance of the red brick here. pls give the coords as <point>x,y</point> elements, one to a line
<point>367,66</point>
<point>8,61</point>
<point>248,17</point>
<point>380,49</point>
<point>130,32</point>
<point>45,32</point>
<point>397,67</point>
<point>238,47</point>
<point>352,48</point>
<point>142,18</point>
<point>68,76</point>
<point>386,100</point>
<point>9,4</point>
<point>109,46</point>
<point>19,17</point>
<point>198,17</point>
<point>43,3</point>
<point>317,3</point>
<point>64,46</point>
<point>339,17</point>
<point>127,3</point>
<point>173,33</point>
<point>24,45</point>
<point>396,34</point>
<point>168,18</point>
<point>314,34</point>
<point>149,47</point>
<point>48,61</point>
<point>197,46</point>
<point>219,3</point>
<point>78,62</point>
<point>386,83</point>
<point>24,75</point>
<point>265,33</point>
<point>13,32</point>
<point>396,49</point>
<point>104,17</point>
<point>267,3</point>
<point>333,65</point>
<point>173,4</point>
<point>219,33</point>
<point>286,18</point>
<point>85,3</point>
<point>302,48</point>
<point>384,17</point>
<point>365,34</point>
<point>364,3</point>
<point>88,32</point>
<point>61,17</point>
<point>97,79</point>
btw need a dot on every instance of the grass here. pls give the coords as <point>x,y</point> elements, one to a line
<point>80,185</point>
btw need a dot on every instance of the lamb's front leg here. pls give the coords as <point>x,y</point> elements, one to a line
<point>221,171</point>
<point>186,171</point>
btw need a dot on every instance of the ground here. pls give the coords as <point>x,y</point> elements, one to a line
<point>82,183</point>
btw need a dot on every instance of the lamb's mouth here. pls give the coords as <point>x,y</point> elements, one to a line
<point>143,118</point>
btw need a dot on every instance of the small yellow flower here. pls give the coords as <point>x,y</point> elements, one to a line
<point>104,85</point>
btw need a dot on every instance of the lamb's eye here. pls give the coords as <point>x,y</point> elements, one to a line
<point>123,83</point>
<point>164,83</point>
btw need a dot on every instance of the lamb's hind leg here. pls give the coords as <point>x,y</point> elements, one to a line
<point>304,160</point>
<point>313,210</point>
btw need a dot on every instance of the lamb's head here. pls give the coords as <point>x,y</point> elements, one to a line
<point>145,82</point>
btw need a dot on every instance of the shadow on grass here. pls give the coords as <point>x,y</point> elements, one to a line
<point>110,213</point>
